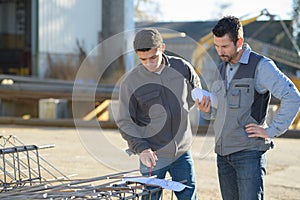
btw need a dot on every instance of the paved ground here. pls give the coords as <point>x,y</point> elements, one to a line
<point>89,153</point>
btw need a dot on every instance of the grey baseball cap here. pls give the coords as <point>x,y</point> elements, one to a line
<point>147,38</point>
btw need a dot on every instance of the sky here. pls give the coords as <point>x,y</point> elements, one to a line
<point>199,10</point>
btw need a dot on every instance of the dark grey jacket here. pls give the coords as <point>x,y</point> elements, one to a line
<point>154,108</point>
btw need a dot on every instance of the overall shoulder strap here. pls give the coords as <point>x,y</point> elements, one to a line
<point>222,70</point>
<point>248,70</point>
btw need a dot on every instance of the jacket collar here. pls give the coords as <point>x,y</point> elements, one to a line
<point>166,60</point>
<point>246,54</point>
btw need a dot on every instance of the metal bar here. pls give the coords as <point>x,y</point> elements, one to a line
<point>4,170</point>
<point>38,165</point>
<point>28,164</point>
<point>40,158</point>
<point>86,192</point>
<point>18,163</point>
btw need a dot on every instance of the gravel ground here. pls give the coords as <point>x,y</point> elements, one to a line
<point>90,152</point>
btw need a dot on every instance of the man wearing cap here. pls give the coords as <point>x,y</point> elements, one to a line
<point>154,104</point>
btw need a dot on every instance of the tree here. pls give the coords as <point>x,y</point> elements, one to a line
<point>296,20</point>
<point>146,10</point>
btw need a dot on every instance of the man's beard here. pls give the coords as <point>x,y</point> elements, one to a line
<point>226,58</point>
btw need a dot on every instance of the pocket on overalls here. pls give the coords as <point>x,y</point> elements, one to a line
<point>234,98</point>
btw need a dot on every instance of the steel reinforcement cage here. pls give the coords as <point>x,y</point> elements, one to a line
<point>24,174</point>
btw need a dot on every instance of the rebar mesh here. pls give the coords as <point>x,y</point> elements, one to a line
<point>24,174</point>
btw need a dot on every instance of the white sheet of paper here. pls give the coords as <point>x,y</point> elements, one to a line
<point>198,93</point>
<point>166,184</point>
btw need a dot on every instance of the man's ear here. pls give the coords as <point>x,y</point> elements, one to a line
<point>163,47</point>
<point>240,43</point>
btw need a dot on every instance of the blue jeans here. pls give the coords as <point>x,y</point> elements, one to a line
<point>181,170</point>
<point>241,175</point>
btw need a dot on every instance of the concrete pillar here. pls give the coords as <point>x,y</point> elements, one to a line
<point>117,17</point>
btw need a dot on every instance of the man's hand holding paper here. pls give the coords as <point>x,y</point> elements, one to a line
<point>198,93</point>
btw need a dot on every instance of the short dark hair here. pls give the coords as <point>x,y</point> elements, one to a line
<point>229,25</point>
<point>146,39</point>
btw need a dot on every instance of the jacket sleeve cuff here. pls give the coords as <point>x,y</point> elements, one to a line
<point>273,132</point>
<point>141,148</point>
<point>206,116</point>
